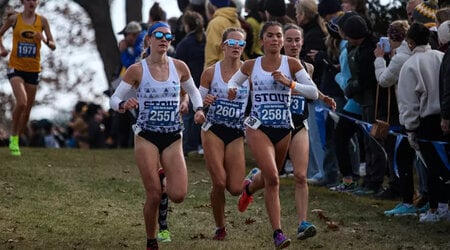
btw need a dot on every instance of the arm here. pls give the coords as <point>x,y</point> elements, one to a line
<point>303,85</point>
<point>239,78</point>
<point>119,100</point>
<point>408,98</point>
<point>8,23</point>
<point>48,34</point>
<point>205,85</point>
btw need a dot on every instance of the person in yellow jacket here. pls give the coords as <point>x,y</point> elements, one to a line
<point>223,17</point>
<point>24,63</point>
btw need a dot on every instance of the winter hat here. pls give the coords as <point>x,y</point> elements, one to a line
<point>132,27</point>
<point>326,7</point>
<point>275,8</point>
<point>425,12</point>
<point>356,27</point>
<point>340,21</point>
<point>444,32</point>
<point>220,3</point>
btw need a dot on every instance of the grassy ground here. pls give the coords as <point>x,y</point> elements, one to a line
<point>76,199</point>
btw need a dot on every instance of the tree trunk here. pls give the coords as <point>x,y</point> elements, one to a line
<point>133,10</point>
<point>99,12</point>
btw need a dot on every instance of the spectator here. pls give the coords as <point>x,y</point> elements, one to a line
<point>96,128</point>
<point>361,87</point>
<point>276,11</point>
<point>223,17</point>
<point>444,78</point>
<point>360,7</point>
<point>410,5</point>
<point>78,128</point>
<point>425,13</point>
<point>131,45</point>
<point>328,9</point>
<point>418,94</point>
<point>313,51</point>
<point>191,50</point>
<point>255,18</point>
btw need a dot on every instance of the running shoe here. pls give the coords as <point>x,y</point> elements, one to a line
<point>220,234</point>
<point>402,210</point>
<point>306,230</point>
<point>14,145</point>
<point>424,208</point>
<point>281,241</point>
<point>164,236</point>
<point>245,199</point>
<point>429,217</point>
<point>345,187</point>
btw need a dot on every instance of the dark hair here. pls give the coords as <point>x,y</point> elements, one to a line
<point>232,29</point>
<point>156,13</point>
<point>267,25</point>
<point>419,34</point>
<point>195,22</point>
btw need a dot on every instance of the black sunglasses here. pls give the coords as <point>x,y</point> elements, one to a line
<point>159,35</point>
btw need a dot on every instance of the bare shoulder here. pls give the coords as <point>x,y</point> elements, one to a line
<point>247,66</point>
<point>294,64</point>
<point>133,75</point>
<point>182,69</point>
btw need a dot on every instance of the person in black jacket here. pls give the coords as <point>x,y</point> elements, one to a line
<point>362,88</point>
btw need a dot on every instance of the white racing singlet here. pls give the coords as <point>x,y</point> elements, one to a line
<point>271,100</point>
<point>223,111</point>
<point>159,102</point>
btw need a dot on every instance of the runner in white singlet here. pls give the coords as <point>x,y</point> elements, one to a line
<point>222,133</point>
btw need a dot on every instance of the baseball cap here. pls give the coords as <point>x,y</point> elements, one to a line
<point>132,27</point>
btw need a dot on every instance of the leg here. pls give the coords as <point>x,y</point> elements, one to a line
<point>269,158</point>
<point>214,157</point>
<point>20,94</point>
<point>147,159</point>
<point>30,90</point>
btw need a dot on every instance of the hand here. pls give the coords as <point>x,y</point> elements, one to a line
<point>445,126</point>
<point>312,54</point>
<point>131,103</point>
<point>330,102</point>
<point>412,139</point>
<point>232,94</point>
<point>38,36</point>
<point>379,50</point>
<point>281,78</point>
<point>184,107</point>
<point>199,117</point>
<point>209,99</point>
<point>3,52</point>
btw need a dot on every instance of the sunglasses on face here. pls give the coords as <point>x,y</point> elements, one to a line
<point>159,35</point>
<point>233,42</point>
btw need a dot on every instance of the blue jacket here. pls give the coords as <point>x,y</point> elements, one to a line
<point>342,79</point>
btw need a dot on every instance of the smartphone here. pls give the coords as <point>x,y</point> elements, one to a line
<point>384,42</point>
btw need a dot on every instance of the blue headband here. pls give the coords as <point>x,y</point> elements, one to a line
<point>157,25</point>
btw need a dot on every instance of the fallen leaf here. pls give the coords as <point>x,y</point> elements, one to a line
<point>249,221</point>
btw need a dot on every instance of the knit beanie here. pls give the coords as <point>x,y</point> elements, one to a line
<point>220,3</point>
<point>275,8</point>
<point>425,12</point>
<point>356,27</point>
<point>326,7</point>
<point>340,21</point>
<point>444,32</point>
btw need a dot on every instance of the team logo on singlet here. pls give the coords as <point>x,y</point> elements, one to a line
<point>28,34</point>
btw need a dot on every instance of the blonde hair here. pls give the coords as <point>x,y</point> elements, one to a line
<point>309,9</point>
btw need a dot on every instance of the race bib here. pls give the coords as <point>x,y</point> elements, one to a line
<point>274,114</point>
<point>227,111</point>
<point>26,49</point>
<point>298,105</point>
<point>161,115</point>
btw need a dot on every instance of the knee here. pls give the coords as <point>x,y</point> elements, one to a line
<point>300,179</point>
<point>271,181</point>
<point>176,196</point>
<point>153,197</point>
<point>21,105</point>
<point>236,190</point>
<point>219,186</point>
